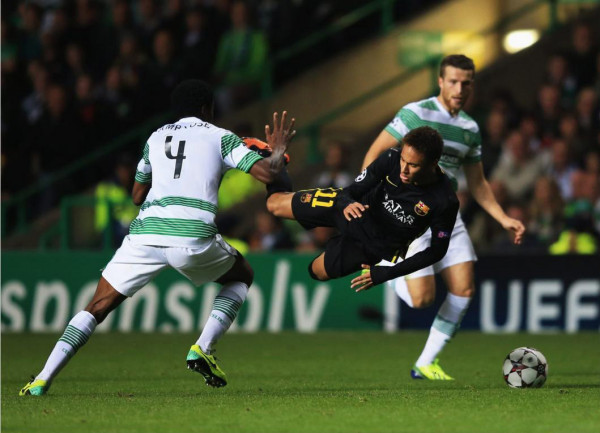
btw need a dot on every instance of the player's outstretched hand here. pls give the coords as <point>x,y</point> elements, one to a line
<point>354,210</point>
<point>279,138</point>
<point>516,227</point>
<point>363,281</point>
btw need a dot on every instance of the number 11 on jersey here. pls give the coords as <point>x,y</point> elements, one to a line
<point>179,157</point>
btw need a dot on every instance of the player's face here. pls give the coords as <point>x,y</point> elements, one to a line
<point>413,165</point>
<point>455,88</point>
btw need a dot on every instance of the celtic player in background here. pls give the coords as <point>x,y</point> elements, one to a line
<point>462,150</point>
<point>176,184</point>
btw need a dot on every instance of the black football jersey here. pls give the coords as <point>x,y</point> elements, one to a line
<point>399,213</point>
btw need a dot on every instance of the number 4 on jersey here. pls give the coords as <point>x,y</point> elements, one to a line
<point>179,157</point>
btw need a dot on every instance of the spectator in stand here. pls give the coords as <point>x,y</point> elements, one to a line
<point>131,62</point>
<point>546,211</point>
<point>548,113</point>
<point>586,112</point>
<point>335,174</point>
<point>118,102</point>
<point>559,75</point>
<point>519,167</point>
<point>199,45</point>
<point>529,128</point>
<point>56,140</point>
<point>30,46</point>
<point>163,72</point>
<point>241,60</point>
<point>569,132</point>
<point>580,236</point>
<point>148,23</point>
<point>562,167</point>
<point>584,52</point>
<point>494,135</point>
<point>75,64</point>
<point>269,234</point>
<point>93,36</point>
<point>114,208</point>
<point>33,104</point>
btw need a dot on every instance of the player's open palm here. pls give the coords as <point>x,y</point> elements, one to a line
<point>281,134</point>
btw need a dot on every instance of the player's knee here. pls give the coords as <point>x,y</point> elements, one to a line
<point>423,300</point>
<point>248,275</point>
<point>316,273</point>
<point>272,204</point>
<point>465,292</point>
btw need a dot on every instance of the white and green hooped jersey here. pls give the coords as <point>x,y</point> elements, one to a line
<point>462,140</point>
<point>185,162</point>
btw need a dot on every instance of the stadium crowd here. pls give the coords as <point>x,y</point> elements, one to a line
<point>77,73</point>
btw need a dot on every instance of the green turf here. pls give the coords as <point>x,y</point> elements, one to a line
<point>327,382</point>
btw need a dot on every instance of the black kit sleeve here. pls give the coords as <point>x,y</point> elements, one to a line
<point>441,231</point>
<point>367,180</point>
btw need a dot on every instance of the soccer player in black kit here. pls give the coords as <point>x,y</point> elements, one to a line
<point>391,203</point>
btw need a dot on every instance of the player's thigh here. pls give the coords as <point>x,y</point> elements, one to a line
<point>208,262</point>
<point>280,204</point>
<point>316,207</point>
<point>133,266</point>
<point>460,279</point>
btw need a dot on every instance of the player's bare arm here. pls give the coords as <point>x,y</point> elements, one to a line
<point>139,192</point>
<point>483,194</point>
<point>279,138</point>
<point>383,142</point>
<point>354,210</point>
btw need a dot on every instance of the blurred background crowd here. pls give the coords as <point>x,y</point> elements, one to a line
<point>78,73</point>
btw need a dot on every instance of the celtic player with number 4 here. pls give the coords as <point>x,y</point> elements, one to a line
<point>462,148</point>
<point>176,185</point>
<point>391,203</point>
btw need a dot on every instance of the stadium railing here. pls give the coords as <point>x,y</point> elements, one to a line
<point>20,201</point>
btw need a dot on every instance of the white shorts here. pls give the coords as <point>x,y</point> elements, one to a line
<point>460,250</point>
<point>133,266</point>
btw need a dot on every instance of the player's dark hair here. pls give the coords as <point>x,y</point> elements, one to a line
<point>192,98</point>
<point>459,61</point>
<point>425,140</point>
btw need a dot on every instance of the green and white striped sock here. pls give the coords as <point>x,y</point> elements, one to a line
<point>226,306</point>
<point>76,334</point>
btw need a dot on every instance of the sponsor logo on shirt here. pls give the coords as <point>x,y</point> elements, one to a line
<point>421,209</point>
<point>396,210</point>
<point>361,176</point>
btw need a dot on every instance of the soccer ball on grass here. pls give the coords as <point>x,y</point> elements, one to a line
<point>525,367</point>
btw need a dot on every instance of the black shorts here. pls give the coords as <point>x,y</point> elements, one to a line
<point>317,208</point>
<point>344,255</point>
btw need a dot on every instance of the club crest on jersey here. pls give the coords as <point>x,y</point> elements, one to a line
<point>421,209</point>
<point>361,176</point>
<point>305,198</point>
<point>467,137</point>
<point>443,235</point>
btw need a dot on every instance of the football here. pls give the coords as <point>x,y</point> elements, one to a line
<point>525,367</point>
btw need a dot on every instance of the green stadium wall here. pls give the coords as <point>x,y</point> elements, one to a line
<point>42,291</point>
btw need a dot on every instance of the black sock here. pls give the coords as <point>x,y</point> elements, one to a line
<point>282,183</point>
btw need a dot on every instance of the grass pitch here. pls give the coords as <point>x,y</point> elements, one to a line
<point>326,382</point>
